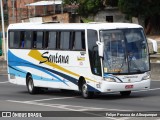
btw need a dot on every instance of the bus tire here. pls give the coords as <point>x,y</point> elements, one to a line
<point>85,93</point>
<point>125,93</point>
<point>30,85</point>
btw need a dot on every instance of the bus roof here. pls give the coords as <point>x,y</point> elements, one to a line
<point>75,26</point>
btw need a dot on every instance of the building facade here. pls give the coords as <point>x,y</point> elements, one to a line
<point>19,11</point>
<point>110,14</point>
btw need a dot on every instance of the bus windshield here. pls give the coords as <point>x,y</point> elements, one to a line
<point>125,51</point>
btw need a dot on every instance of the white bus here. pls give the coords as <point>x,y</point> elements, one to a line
<point>86,57</point>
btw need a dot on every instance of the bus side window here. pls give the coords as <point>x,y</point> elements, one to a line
<point>45,39</point>
<point>38,40</point>
<point>79,40</point>
<point>64,40</point>
<point>34,39</point>
<point>83,40</point>
<point>58,34</point>
<point>11,39</point>
<point>22,39</point>
<point>14,39</point>
<point>28,39</point>
<point>51,40</point>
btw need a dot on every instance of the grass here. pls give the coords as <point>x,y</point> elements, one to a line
<point>86,20</point>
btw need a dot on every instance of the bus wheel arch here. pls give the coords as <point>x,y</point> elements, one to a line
<point>82,84</point>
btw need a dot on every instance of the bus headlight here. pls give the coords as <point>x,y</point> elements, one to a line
<point>146,77</point>
<point>109,79</point>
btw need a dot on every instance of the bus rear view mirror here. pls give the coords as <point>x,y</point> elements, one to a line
<point>152,46</point>
<point>100,48</point>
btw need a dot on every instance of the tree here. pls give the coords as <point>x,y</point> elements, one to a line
<point>86,7</point>
<point>112,3</point>
<point>146,9</point>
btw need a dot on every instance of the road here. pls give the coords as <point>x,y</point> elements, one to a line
<point>16,98</point>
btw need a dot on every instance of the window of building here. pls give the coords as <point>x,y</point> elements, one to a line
<point>109,18</point>
<point>13,4</point>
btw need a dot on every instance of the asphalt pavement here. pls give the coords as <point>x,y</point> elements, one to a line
<point>16,98</point>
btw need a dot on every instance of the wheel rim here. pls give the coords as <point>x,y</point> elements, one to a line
<point>30,85</point>
<point>84,90</point>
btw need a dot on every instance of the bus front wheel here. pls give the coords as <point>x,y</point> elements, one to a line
<point>85,93</point>
<point>30,85</point>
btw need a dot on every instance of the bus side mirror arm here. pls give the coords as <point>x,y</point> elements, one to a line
<point>100,48</point>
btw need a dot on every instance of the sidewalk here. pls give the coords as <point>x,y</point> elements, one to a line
<point>3,71</point>
<point>3,66</point>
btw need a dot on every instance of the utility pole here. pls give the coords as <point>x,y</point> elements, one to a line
<point>62,12</point>
<point>13,16</point>
<point>4,42</point>
<point>54,7</point>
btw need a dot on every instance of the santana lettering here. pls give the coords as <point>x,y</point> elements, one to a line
<point>55,58</point>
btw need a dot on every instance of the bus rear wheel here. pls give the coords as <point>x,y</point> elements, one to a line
<point>30,85</point>
<point>85,93</point>
<point>125,93</point>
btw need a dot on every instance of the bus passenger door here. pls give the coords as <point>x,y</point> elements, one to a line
<point>96,67</point>
<point>92,36</point>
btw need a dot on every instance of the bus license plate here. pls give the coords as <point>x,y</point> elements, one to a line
<point>129,86</point>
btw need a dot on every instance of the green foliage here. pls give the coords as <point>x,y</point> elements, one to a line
<point>149,10</point>
<point>143,8</point>
<point>129,7</point>
<point>113,3</point>
<point>86,20</point>
<point>86,7</point>
<point>0,52</point>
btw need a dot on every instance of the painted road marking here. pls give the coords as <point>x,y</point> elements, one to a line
<point>66,107</point>
<point>60,98</point>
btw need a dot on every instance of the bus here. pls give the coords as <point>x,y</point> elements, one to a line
<point>86,57</point>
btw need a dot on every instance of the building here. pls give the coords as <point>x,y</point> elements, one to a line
<point>110,14</point>
<point>5,10</point>
<point>35,10</point>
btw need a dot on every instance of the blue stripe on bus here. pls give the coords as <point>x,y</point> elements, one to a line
<point>28,64</point>
<point>17,72</point>
<point>22,62</point>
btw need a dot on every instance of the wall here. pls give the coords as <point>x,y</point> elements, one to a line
<point>117,15</point>
<point>21,11</point>
<point>57,17</point>
<point>155,71</point>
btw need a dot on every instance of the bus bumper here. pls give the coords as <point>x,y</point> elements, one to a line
<point>116,87</point>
